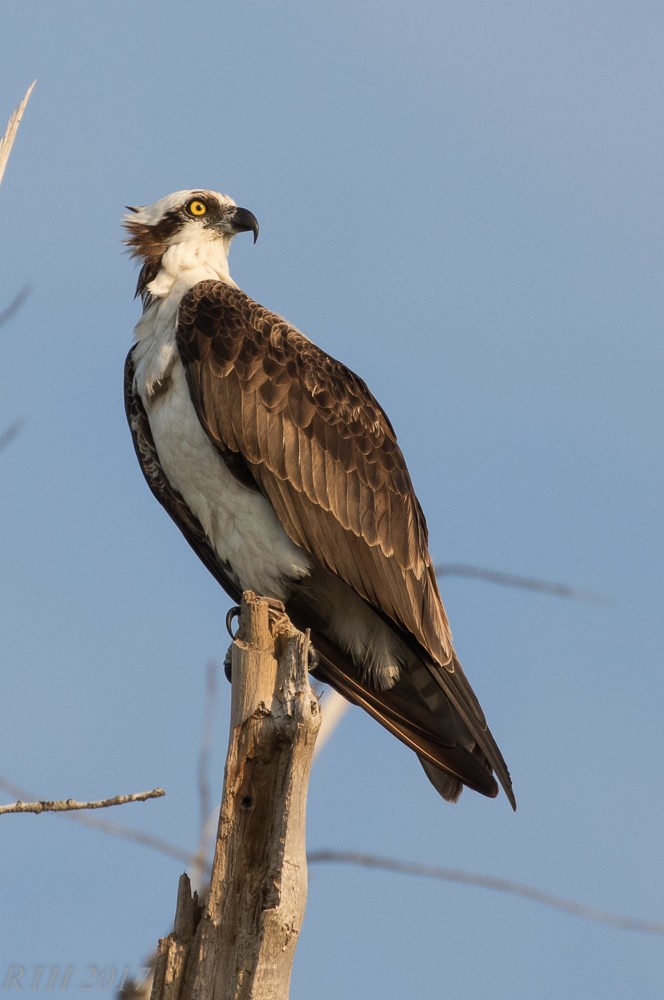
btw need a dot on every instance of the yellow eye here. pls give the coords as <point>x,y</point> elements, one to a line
<point>197,207</point>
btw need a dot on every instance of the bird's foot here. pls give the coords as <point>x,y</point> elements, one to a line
<point>232,615</point>
<point>276,609</point>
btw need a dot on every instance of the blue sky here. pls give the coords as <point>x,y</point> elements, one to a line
<point>464,203</point>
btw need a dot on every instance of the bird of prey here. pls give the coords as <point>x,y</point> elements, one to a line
<point>284,475</point>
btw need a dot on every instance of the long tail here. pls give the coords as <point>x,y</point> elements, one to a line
<point>417,711</point>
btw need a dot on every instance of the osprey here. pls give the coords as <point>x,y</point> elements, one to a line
<point>285,476</point>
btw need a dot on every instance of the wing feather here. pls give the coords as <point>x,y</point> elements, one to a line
<point>321,449</point>
<point>331,444</point>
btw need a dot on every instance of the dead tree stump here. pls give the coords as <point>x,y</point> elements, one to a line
<point>240,946</point>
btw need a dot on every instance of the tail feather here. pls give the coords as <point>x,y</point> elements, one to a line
<point>450,788</point>
<point>430,707</point>
<point>446,761</point>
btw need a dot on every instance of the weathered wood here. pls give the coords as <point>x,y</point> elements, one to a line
<point>245,940</point>
<point>173,951</point>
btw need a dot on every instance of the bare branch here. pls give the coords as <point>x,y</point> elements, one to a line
<point>489,882</point>
<point>333,708</point>
<point>108,826</point>
<point>207,740</point>
<point>10,311</point>
<point>208,816</point>
<point>123,832</point>
<point>6,144</point>
<point>523,582</point>
<point>7,140</point>
<point>69,805</point>
<point>10,432</point>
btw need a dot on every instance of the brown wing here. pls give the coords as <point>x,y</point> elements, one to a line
<point>324,453</point>
<point>320,448</point>
<point>169,498</point>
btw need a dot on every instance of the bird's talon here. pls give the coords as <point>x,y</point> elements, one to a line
<point>233,613</point>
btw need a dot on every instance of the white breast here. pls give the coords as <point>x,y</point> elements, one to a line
<point>238,521</point>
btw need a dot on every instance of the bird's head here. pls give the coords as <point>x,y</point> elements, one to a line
<point>185,236</point>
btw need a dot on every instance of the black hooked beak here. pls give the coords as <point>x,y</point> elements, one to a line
<point>244,221</point>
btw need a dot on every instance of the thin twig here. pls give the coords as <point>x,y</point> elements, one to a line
<point>6,144</point>
<point>333,708</point>
<point>523,582</point>
<point>108,826</point>
<point>10,311</point>
<point>10,432</point>
<point>70,805</point>
<point>489,882</point>
<point>7,140</point>
<point>123,832</point>
<point>208,816</point>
